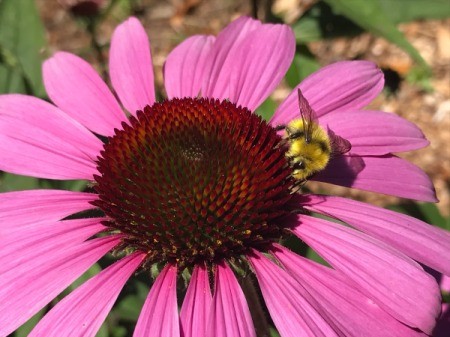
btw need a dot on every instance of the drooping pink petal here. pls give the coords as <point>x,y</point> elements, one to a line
<point>23,244</point>
<point>221,59</point>
<point>26,208</point>
<point>38,139</point>
<point>83,311</point>
<point>130,66</point>
<point>417,239</point>
<point>341,86</point>
<point>75,87</point>
<point>291,312</point>
<point>392,280</point>
<point>229,316</point>
<point>45,276</point>
<point>384,174</point>
<point>375,132</point>
<point>196,305</point>
<point>260,63</point>
<point>159,316</point>
<point>185,66</point>
<point>352,313</point>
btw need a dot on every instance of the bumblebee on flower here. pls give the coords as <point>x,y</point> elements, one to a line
<point>310,146</point>
<point>198,182</point>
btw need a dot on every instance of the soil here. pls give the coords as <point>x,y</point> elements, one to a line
<point>169,22</point>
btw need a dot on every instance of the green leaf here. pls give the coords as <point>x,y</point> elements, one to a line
<point>11,79</point>
<point>432,215</point>
<point>130,306</point>
<point>445,297</point>
<point>369,14</point>
<point>12,182</point>
<point>266,109</point>
<point>320,22</point>
<point>103,331</point>
<point>274,333</point>
<point>408,10</point>
<point>421,77</point>
<point>26,328</point>
<point>427,212</point>
<point>120,331</point>
<point>91,272</point>
<point>307,29</point>
<point>71,185</point>
<point>312,255</point>
<point>22,38</point>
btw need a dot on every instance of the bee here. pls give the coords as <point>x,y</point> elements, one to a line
<point>310,147</point>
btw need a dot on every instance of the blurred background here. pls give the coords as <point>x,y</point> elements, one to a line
<point>408,39</point>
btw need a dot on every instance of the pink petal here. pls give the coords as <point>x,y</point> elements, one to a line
<point>394,281</point>
<point>341,86</point>
<point>221,60</point>
<point>351,312</point>
<point>159,316</point>
<point>290,310</point>
<point>260,63</point>
<point>196,305</point>
<point>41,279</point>
<point>230,316</point>
<point>75,87</point>
<point>27,208</point>
<point>38,139</point>
<point>17,108</point>
<point>424,243</point>
<point>83,311</point>
<point>185,66</point>
<point>23,244</point>
<point>385,174</point>
<point>375,132</point>
<point>445,283</point>
<point>130,66</point>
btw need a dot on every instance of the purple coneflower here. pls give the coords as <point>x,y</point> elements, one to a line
<point>199,183</point>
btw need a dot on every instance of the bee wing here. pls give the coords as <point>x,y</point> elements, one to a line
<point>339,145</point>
<point>307,114</point>
<point>356,164</point>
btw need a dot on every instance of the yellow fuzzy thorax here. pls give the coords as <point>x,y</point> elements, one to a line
<point>307,157</point>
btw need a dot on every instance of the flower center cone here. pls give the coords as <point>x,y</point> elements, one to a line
<point>195,180</point>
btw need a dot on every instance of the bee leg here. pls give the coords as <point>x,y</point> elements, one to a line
<point>279,127</point>
<point>281,143</point>
<point>297,186</point>
<point>301,211</point>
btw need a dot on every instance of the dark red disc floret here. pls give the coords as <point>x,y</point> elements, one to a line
<point>193,179</point>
